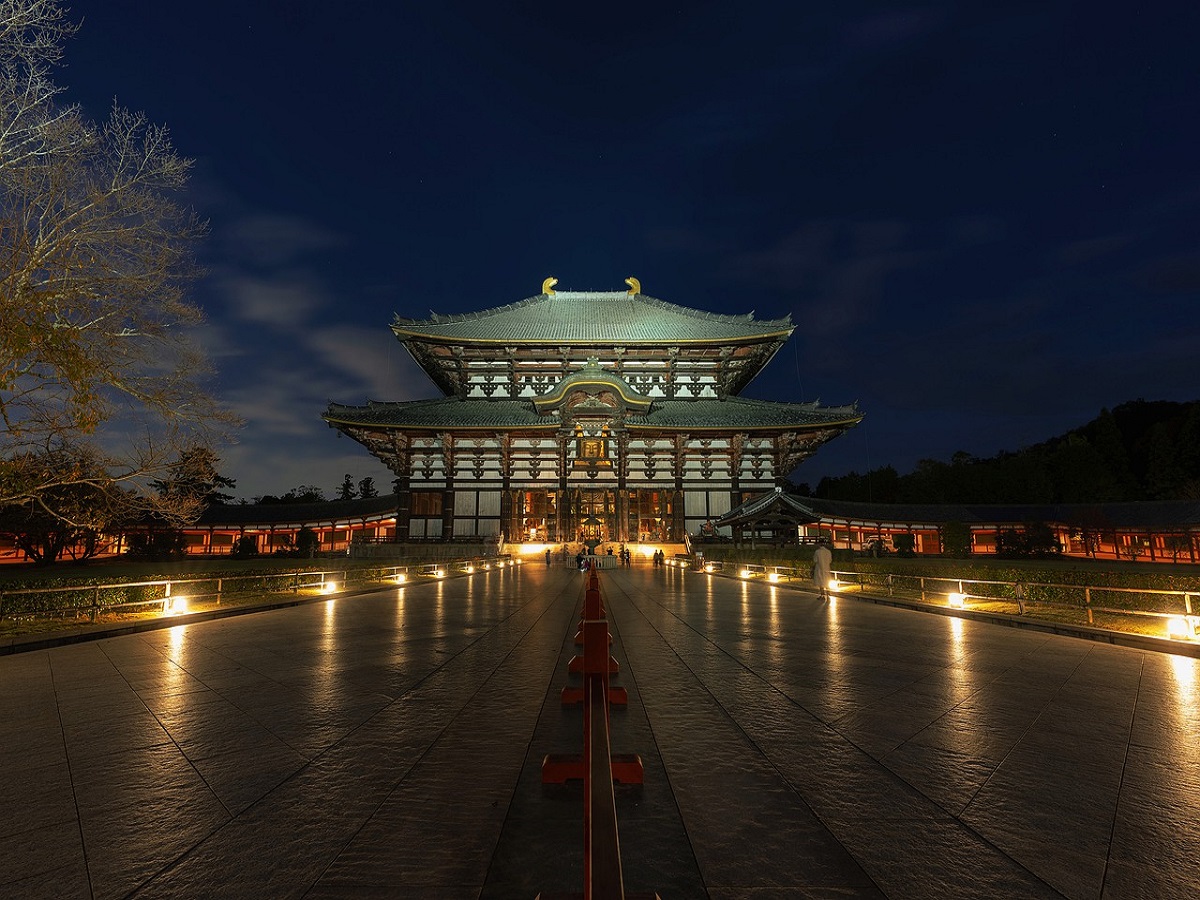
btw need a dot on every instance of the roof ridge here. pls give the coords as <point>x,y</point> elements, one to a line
<point>436,318</point>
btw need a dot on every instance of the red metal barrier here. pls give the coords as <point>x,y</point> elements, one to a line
<point>595,663</point>
<point>598,766</point>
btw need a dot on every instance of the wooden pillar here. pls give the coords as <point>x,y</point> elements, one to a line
<point>448,491</point>
<point>566,517</point>
<point>403,507</point>
<point>620,509</point>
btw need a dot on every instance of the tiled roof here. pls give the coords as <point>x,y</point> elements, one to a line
<point>741,412</point>
<point>734,412</point>
<point>591,317</point>
<point>440,413</point>
<point>297,513</point>
<point>1159,514</point>
<point>785,507</point>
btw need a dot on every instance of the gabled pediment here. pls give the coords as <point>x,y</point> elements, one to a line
<point>599,387</point>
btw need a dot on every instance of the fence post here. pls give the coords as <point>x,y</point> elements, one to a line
<point>167,598</point>
<point>891,584</point>
<point>1019,590</point>
<point>922,589</point>
<point>95,602</point>
<point>1087,602</point>
<point>219,581</point>
<point>1187,602</point>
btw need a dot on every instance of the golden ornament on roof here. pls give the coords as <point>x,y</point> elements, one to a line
<point>635,286</point>
<point>548,285</point>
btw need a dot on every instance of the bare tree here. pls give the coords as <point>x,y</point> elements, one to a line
<point>95,260</point>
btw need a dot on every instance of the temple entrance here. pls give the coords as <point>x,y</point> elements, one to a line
<point>593,532</point>
<point>595,512</point>
<point>654,516</point>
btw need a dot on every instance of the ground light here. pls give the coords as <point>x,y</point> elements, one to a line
<point>709,568</point>
<point>745,573</point>
<point>773,577</point>
<point>834,584</point>
<point>955,600</point>
<point>329,587</point>
<point>1183,628</point>
<point>400,578</point>
<point>175,606</point>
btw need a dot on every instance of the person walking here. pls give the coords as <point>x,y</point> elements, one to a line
<point>822,569</point>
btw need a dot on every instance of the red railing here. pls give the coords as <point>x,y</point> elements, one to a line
<point>597,766</point>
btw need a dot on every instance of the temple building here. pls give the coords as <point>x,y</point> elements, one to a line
<point>586,416</point>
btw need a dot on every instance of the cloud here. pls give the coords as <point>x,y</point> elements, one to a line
<point>838,268</point>
<point>1174,274</point>
<point>370,363</point>
<point>889,29</point>
<point>1088,250</point>
<point>272,240</point>
<point>284,301</point>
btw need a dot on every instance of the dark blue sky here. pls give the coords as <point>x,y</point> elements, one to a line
<point>982,217</point>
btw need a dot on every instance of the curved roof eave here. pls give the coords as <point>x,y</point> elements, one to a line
<point>549,341</point>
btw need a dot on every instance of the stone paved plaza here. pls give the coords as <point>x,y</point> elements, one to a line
<point>388,744</point>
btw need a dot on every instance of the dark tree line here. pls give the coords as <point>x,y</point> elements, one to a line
<point>1141,450</point>
<point>310,493</point>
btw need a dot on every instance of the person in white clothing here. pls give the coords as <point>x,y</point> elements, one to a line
<point>822,569</point>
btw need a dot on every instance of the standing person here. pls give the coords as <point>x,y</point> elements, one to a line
<point>547,557</point>
<point>822,569</point>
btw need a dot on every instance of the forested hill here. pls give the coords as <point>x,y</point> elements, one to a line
<point>1142,450</point>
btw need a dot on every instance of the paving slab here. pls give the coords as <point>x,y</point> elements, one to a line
<point>389,744</point>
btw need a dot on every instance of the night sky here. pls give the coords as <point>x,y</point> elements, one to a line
<point>983,218</point>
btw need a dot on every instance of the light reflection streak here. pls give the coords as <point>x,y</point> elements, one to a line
<point>960,674</point>
<point>323,677</point>
<point>1185,711</point>
<point>176,673</point>
<point>836,669</point>
<point>1184,670</point>
<point>774,639</point>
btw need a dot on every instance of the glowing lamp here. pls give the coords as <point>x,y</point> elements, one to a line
<point>470,570</point>
<point>1183,627</point>
<point>176,606</point>
<point>709,568</point>
<point>440,573</point>
<point>329,587</point>
<point>745,573</point>
<point>956,600</point>
<point>773,577</point>
<point>401,578</point>
<point>834,584</point>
